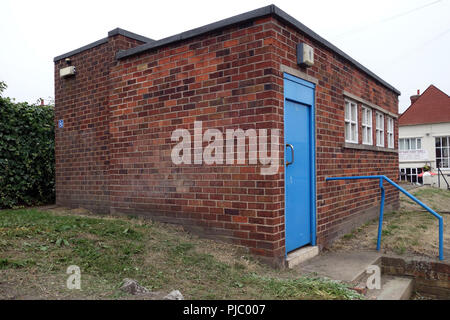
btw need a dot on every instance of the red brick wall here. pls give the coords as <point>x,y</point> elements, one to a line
<point>228,80</point>
<point>223,80</point>
<point>338,203</point>
<point>81,150</point>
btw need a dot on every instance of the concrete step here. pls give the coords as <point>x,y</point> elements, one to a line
<point>298,256</point>
<point>350,267</point>
<point>392,288</point>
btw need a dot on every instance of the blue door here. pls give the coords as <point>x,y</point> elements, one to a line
<point>299,162</point>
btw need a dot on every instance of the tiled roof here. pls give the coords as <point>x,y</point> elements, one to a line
<point>433,106</point>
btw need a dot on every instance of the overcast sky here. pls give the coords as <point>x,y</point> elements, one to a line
<point>405,42</point>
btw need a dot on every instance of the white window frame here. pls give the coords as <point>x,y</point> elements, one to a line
<point>351,121</point>
<point>444,148</point>
<point>406,143</point>
<point>379,128</point>
<point>412,176</point>
<point>366,123</point>
<point>390,132</point>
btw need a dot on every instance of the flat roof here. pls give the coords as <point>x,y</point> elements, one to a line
<point>94,44</point>
<point>271,10</point>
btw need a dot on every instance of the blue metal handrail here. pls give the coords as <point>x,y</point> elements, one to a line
<point>380,222</point>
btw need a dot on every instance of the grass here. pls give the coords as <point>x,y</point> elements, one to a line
<point>36,247</point>
<point>429,192</point>
<point>409,230</point>
<point>403,230</point>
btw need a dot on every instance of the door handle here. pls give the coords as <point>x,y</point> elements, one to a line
<point>292,148</point>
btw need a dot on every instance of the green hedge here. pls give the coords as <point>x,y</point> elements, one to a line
<point>27,158</point>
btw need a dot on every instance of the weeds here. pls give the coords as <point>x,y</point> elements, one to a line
<point>159,256</point>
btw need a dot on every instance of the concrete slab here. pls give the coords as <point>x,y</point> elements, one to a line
<point>344,266</point>
<point>396,288</point>
<point>301,255</point>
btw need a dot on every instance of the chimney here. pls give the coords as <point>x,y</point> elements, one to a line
<point>415,97</point>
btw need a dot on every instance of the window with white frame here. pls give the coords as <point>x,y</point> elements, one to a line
<point>351,121</point>
<point>411,175</point>
<point>410,144</point>
<point>366,123</point>
<point>390,132</point>
<point>380,129</point>
<point>443,152</point>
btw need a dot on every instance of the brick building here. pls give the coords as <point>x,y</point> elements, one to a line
<point>116,117</point>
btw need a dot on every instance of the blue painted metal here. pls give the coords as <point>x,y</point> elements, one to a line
<point>300,195</point>
<point>380,220</point>
<point>409,195</point>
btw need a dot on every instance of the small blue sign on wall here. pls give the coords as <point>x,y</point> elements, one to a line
<point>61,123</point>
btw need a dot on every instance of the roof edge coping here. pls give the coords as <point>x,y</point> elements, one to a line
<point>114,32</point>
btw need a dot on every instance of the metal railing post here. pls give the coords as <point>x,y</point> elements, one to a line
<point>439,177</point>
<point>409,195</point>
<point>380,220</point>
<point>441,238</point>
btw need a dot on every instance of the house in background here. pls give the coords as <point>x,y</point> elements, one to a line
<point>424,138</point>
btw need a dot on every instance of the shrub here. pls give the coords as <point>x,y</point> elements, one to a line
<point>27,144</point>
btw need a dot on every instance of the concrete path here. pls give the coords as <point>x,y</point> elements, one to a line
<point>352,267</point>
<point>344,266</point>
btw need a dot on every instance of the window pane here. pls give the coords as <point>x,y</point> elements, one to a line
<point>407,144</point>
<point>402,144</point>
<point>353,132</point>
<point>438,142</point>
<point>419,144</point>
<point>353,112</point>
<point>347,131</point>
<point>444,141</point>
<point>444,163</point>
<point>413,144</point>
<point>444,152</point>
<point>438,152</point>
<point>402,175</point>
<point>347,112</point>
